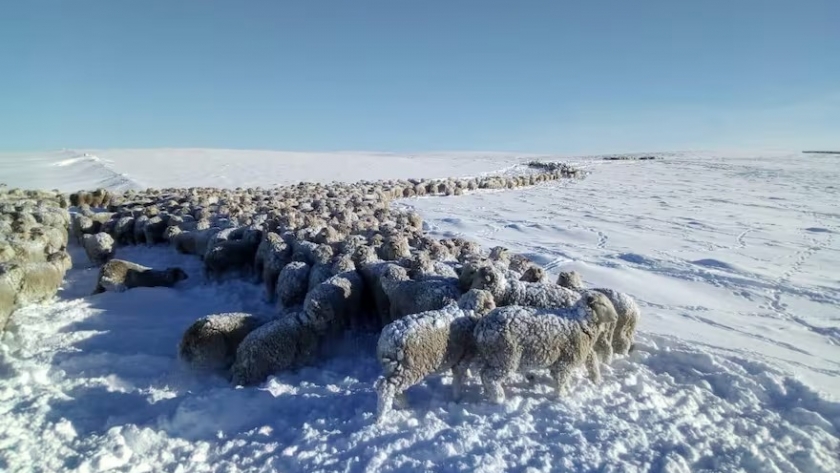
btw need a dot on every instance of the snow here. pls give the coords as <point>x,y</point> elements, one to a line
<point>732,258</point>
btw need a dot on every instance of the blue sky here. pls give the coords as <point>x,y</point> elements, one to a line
<point>550,76</point>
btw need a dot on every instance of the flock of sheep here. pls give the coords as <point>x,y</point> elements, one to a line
<point>337,257</point>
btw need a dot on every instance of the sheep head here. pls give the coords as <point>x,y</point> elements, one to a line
<point>570,280</point>
<point>603,311</point>
<point>477,302</point>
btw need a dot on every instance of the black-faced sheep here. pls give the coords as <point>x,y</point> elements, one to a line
<point>515,338</point>
<point>432,342</point>
<point>120,275</point>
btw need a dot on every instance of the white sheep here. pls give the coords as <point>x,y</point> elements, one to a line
<point>431,342</point>
<point>407,296</point>
<point>520,339</point>
<point>509,291</point>
<point>99,248</point>
<point>210,343</point>
<point>120,275</point>
<point>41,281</point>
<point>620,339</point>
<point>285,343</point>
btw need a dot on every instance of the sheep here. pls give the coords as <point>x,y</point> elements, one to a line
<point>322,268</point>
<point>99,248</point>
<point>535,274</point>
<point>232,255</point>
<point>210,343</point>
<point>509,291</point>
<point>42,280</point>
<point>124,231</point>
<point>410,297</point>
<point>422,266</point>
<point>336,303</point>
<point>374,298</point>
<point>394,248</point>
<point>292,284</point>
<point>81,225</point>
<point>431,342</point>
<point>517,338</point>
<point>285,343</point>
<point>620,340</point>
<point>11,279</point>
<point>120,275</point>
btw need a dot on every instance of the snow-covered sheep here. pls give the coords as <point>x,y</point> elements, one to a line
<point>374,298</point>
<point>520,339</point>
<point>322,269</point>
<point>394,248</point>
<point>509,291</point>
<point>11,278</point>
<point>336,303</point>
<point>620,340</point>
<point>42,280</point>
<point>81,225</point>
<point>535,274</point>
<point>232,255</point>
<point>407,296</point>
<point>124,231</point>
<point>210,343</point>
<point>292,284</point>
<point>285,343</point>
<point>422,266</point>
<point>426,343</point>
<point>119,275</point>
<point>99,248</point>
<point>520,263</point>
<point>139,229</point>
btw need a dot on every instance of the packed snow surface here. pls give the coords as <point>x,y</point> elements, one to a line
<point>732,258</point>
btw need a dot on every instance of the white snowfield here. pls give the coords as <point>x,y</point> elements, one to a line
<point>733,258</point>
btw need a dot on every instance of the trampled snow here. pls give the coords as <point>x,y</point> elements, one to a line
<point>732,259</point>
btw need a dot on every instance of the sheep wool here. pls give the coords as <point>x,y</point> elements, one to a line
<point>210,343</point>
<point>426,343</point>
<point>516,338</point>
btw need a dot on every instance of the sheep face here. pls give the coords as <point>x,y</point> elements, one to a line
<point>570,280</point>
<point>491,280</point>
<point>477,301</point>
<point>603,311</point>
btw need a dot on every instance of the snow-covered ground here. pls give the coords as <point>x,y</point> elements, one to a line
<point>731,256</point>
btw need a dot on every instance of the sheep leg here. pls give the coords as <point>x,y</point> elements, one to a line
<point>561,374</point>
<point>593,367</point>
<point>270,279</point>
<point>604,347</point>
<point>459,375</point>
<point>491,380</point>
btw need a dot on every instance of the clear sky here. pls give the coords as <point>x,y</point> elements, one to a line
<point>541,76</point>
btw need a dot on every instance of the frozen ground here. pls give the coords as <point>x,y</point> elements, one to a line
<point>732,258</point>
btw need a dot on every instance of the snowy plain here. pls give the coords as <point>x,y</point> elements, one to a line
<point>732,257</point>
